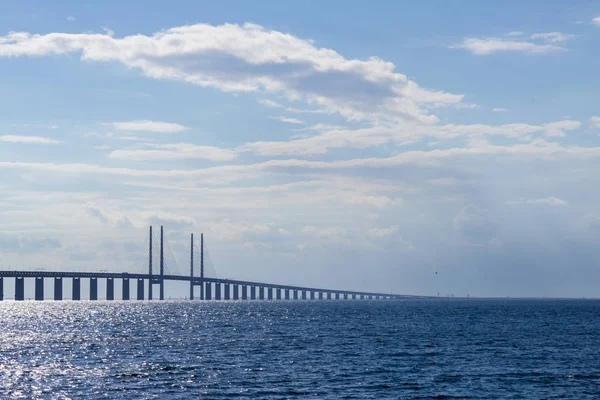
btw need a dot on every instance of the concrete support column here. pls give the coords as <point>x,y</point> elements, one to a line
<point>110,289</point>
<point>93,288</point>
<point>328,295</point>
<point>337,296</point>
<point>244,292</point>
<point>19,288</point>
<point>353,297</point>
<point>140,289</point>
<point>76,289</point>
<point>58,292</point>
<point>227,292</point>
<point>1,288</point>
<point>320,295</point>
<point>295,294</point>
<point>304,295</point>
<point>39,288</point>
<point>125,289</point>
<point>287,294</point>
<point>236,292</point>
<point>278,293</point>
<point>252,292</point>
<point>208,291</point>
<point>261,293</point>
<point>217,291</point>
<point>362,297</point>
<point>312,294</point>
<point>270,293</point>
<point>345,296</point>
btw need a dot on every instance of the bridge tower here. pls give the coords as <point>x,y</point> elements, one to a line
<point>162,266</point>
<point>192,267</point>
<point>150,266</point>
<point>202,266</point>
<point>160,280</point>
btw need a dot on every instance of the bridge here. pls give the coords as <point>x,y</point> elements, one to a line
<point>211,288</point>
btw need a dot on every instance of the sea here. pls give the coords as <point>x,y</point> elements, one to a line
<point>370,349</point>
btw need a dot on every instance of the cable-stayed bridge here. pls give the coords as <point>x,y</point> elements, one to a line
<point>160,266</point>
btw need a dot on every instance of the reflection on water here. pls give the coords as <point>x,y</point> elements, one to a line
<point>361,350</point>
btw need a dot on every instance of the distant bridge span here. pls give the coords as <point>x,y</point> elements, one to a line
<point>224,289</point>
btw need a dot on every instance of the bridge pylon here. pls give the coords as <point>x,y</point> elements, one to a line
<point>153,280</point>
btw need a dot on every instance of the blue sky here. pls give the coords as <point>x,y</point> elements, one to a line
<point>446,147</point>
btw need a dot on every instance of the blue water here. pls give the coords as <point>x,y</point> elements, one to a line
<point>275,350</point>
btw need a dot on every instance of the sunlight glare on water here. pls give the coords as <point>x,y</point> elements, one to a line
<point>360,349</point>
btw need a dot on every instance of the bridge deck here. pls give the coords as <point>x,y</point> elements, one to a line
<point>196,281</point>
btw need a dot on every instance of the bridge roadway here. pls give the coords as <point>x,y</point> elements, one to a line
<point>206,284</point>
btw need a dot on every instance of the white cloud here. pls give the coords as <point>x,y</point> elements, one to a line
<point>250,58</point>
<point>550,201</point>
<point>499,109</point>
<point>595,121</point>
<point>383,232</point>
<point>149,126</point>
<point>596,21</point>
<point>537,149</point>
<point>27,139</point>
<point>70,18</point>
<point>289,120</point>
<point>227,230</point>
<point>515,33</point>
<point>553,37</point>
<point>466,106</point>
<point>493,45</point>
<point>175,151</point>
<point>269,103</point>
<point>336,137</point>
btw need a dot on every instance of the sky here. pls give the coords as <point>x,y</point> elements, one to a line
<point>446,147</point>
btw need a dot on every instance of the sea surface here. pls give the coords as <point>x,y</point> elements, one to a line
<point>384,349</point>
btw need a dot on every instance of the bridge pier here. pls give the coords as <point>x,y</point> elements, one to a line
<point>93,288</point>
<point>110,289</point>
<point>140,289</point>
<point>1,288</point>
<point>125,291</point>
<point>76,289</point>
<point>244,292</point>
<point>337,296</point>
<point>304,295</point>
<point>295,294</point>
<point>208,291</point>
<point>261,293</point>
<point>320,295</point>
<point>252,292</point>
<point>217,291</point>
<point>312,294</point>
<point>287,294</point>
<point>278,293</point>
<point>19,288</point>
<point>227,292</point>
<point>58,289</point>
<point>236,292</point>
<point>345,296</point>
<point>270,293</point>
<point>39,288</point>
<point>328,295</point>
